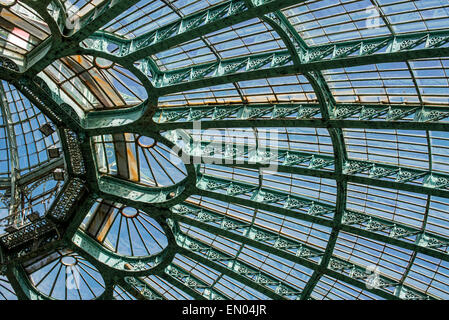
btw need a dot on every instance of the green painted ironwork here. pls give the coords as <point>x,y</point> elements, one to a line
<point>303,115</point>
<point>196,287</point>
<point>322,213</point>
<point>122,265</point>
<point>59,227</point>
<point>336,267</point>
<point>180,31</point>
<point>273,64</point>
<point>317,165</point>
<point>241,271</point>
<point>140,289</point>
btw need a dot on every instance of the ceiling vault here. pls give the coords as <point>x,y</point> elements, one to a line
<point>141,204</point>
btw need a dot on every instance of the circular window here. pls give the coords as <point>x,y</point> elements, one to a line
<point>129,212</point>
<point>146,142</point>
<point>7,3</point>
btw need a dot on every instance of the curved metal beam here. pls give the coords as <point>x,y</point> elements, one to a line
<point>337,268</point>
<point>187,28</point>
<point>344,54</point>
<point>322,213</point>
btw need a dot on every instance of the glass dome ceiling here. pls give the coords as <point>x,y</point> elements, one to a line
<point>239,149</point>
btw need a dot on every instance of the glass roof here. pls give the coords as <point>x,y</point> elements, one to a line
<point>22,29</point>
<point>241,149</point>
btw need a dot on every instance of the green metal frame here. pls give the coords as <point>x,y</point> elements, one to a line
<point>60,226</point>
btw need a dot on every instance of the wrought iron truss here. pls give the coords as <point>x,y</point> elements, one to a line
<point>209,213</point>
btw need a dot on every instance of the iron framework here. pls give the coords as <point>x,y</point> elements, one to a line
<point>355,209</point>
